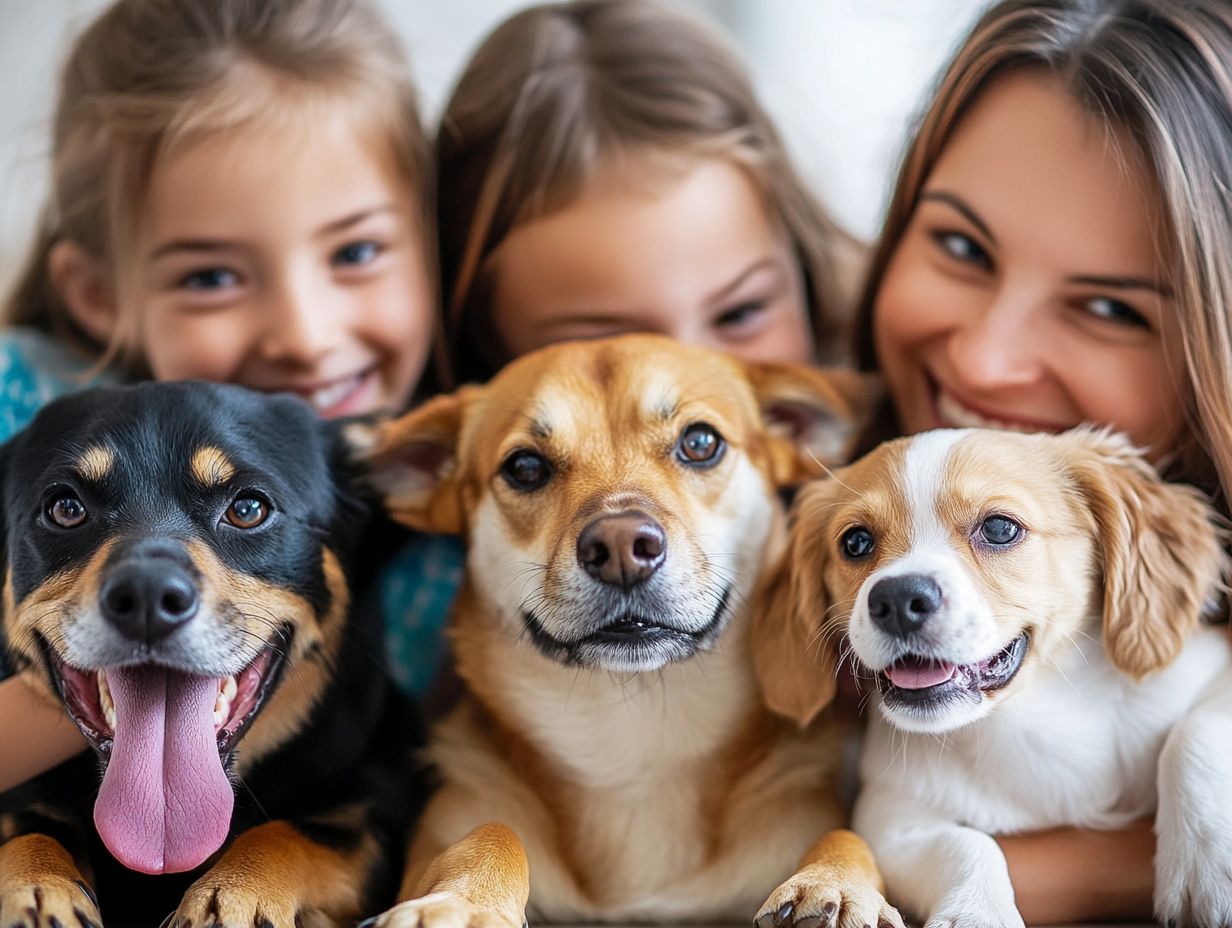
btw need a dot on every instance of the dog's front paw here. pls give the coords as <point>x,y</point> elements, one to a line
<point>212,902</point>
<point>52,902</point>
<point>980,912</point>
<point>1193,878</point>
<point>440,910</point>
<point>809,900</point>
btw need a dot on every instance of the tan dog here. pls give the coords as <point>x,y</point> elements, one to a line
<point>1029,606</point>
<point>620,500</point>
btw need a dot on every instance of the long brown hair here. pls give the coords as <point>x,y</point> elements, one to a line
<point>560,89</point>
<point>148,76</point>
<point>1162,69</point>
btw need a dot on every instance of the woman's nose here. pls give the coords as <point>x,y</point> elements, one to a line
<point>1000,346</point>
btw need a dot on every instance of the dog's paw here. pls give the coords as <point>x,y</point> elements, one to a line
<point>440,910</point>
<point>982,913</point>
<point>1193,880</point>
<point>50,903</point>
<point>212,903</point>
<point>810,901</point>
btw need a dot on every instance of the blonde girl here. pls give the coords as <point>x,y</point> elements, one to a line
<point>1058,249</point>
<point>604,166</point>
<point>238,194</point>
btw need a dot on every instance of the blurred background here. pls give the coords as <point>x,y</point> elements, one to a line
<point>843,79</point>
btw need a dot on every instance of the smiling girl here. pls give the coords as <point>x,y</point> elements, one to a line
<point>238,195</point>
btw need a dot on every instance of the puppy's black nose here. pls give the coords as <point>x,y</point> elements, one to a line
<point>622,549</point>
<point>900,605</point>
<point>147,600</point>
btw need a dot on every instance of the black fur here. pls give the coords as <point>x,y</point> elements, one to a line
<point>354,750</point>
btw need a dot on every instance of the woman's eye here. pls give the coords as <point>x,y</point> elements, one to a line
<point>741,314</point>
<point>247,512</point>
<point>700,445</point>
<point>1103,307</point>
<point>526,470</point>
<point>1000,530</point>
<point>210,278</point>
<point>963,248</point>
<point>67,511</point>
<point>356,253</point>
<point>857,543</point>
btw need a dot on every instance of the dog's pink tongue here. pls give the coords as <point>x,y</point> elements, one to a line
<point>165,803</point>
<point>913,673</point>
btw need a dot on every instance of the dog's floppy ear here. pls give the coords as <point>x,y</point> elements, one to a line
<point>792,643</point>
<point>813,416</point>
<point>411,461</point>
<point>1162,554</point>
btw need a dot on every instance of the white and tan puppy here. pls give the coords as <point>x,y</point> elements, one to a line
<point>1030,608</point>
<point>620,500</point>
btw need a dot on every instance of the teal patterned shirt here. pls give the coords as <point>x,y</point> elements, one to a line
<point>415,588</point>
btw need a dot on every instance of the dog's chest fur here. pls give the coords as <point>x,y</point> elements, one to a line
<point>1078,747</point>
<point>640,796</point>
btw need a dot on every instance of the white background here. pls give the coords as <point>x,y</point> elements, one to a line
<point>843,78</point>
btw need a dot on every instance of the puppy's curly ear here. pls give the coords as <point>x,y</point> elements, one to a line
<point>1162,555</point>
<point>813,416</point>
<point>792,644</point>
<point>411,462</point>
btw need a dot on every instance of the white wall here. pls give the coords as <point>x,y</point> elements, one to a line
<point>842,77</point>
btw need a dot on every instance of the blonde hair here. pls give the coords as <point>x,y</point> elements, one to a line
<point>1162,70</point>
<point>560,90</point>
<point>149,76</point>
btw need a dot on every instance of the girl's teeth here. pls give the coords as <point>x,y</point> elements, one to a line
<point>330,396</point>
<point>958,416</point>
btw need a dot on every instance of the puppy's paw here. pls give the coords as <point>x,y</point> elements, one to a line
<point>212,903</point>
<point>53,902</point>
<point>1193,880</point>
<point>815,900</point>
<point>976,913</point>
<point>440,910</point>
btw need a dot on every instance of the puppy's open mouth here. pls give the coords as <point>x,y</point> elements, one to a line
<point>922,681</point>
<point>237,699</point>
<point>165,738</point>
<point>629,642</point>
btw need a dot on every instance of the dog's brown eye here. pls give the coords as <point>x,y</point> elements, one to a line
<point>67,511</point>
<point>999,530</point>
<point>526,470</point>
<point>857,543</point>
<point>247,512</point>
<point>700,444</point>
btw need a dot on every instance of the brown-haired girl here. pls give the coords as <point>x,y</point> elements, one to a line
<point>604,166</point>
<point>238,194</point>
<point>1058,250</point>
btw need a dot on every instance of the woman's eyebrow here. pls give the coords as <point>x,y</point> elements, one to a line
<point>1123,283</point>
<point>955,202</point>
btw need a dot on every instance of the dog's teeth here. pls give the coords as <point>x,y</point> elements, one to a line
<point>229,688</point>
<point>105,702</point>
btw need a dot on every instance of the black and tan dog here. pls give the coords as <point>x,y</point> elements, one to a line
<point>175,566</point>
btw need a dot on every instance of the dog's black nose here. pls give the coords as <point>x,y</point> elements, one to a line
<point>900,605</point>
<point>622,549</point>
<point>147,600</point>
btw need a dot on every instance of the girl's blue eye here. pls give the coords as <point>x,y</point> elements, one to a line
<point>210,278</point>
<point>963,248</point>
<point>356,253</point>
<point>1103,307</point>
